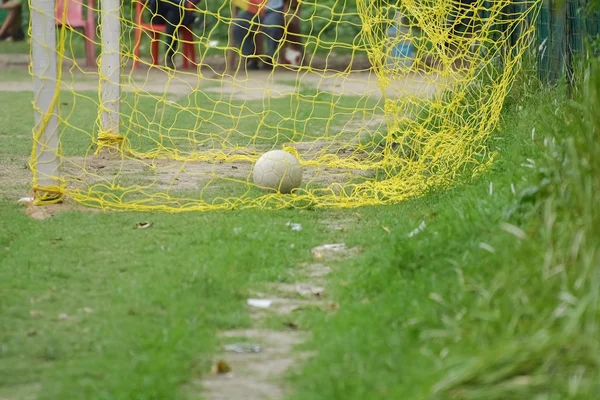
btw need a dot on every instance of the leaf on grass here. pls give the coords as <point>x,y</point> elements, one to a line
<point>63,317</point>
<point>221,367</point>
<point>385,228</point>
<point>31,332</point>
<point>143,225</point>
<point>487,247</point>
<point>513,230</point>
<point>437,298</point>
<point>88,310</point>
<point>333,306</point>
<point>36,313</point>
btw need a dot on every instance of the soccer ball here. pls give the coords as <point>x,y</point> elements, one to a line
<point>278,170</point>
<point>293,56</point>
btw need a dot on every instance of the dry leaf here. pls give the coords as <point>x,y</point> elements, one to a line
<point>88,310</point>
<point>36,313</point>
<point>333,306</point>
<point>385,228</point>
<point>220,367</point>
<point>31,332</point>
<point>63,317</point>
<point>143,225</point>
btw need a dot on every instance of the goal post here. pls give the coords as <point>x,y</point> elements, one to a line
<point>45,160</point>
<point>110,73</point>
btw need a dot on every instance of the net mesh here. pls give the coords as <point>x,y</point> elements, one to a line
<point>380,101</point>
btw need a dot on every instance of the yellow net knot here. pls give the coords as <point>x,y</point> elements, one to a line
<point>110,140</point>
<point>47,195</point>
<point>291,150</point>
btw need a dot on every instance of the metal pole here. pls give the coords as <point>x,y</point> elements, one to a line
<point>110,75</point>
<point>45,160</point>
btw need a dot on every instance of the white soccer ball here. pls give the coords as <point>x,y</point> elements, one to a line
<point>278,170</point>
<point>293,56</point>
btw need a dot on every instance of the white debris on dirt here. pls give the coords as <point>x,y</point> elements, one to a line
<point>260,303</point>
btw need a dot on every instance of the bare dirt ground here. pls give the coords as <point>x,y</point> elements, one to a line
<point>258,373</point>
<point>255,85</point>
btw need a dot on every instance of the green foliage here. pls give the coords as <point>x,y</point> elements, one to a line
<point>498,296</point>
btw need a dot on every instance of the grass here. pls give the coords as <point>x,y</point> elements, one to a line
<point>196,118</point>
<point>158,296</point>
<point>473,308</point>
<point>497,298</point>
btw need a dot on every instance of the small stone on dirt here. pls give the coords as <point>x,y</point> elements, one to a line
<point>308,290</point>
<point>243,348</point>
<point>332,250</point>
<point>318,270</point>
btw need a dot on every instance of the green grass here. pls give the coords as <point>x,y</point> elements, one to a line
<point>150,120</point>
<point>158,295</point>
<point>465,309</point>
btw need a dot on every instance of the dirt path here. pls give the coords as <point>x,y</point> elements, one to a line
<point>257,85</point>
<point>264,356</point>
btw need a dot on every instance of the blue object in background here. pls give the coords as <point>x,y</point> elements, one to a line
<point>402,52</point>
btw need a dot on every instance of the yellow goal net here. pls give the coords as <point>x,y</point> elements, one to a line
<point>379,100</point>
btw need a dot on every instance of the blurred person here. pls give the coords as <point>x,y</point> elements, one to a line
<point>246,21</point>
<point>173,14</point>
<point>10,20</point>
